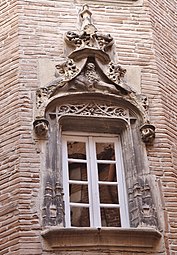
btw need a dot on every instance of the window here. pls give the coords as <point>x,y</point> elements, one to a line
<point>93,181</point>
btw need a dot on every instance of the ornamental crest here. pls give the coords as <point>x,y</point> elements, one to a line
<point>88,68</point>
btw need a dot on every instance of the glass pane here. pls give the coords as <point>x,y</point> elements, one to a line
<point>107,172</point>
<point>77,171</point>
<point>105,151</point>
<point>108,194</point>
<point>76,150</point>
<point>78,193</point>
<point>80,217</point>
<point>110,217</point>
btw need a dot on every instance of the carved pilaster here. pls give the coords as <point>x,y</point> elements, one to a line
<point>53,212</point>
<point>48,197</point>
<point>142,209</point>
<point>59,204</point>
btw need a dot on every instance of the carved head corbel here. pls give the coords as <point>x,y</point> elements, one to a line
<point>147,133</point>
<point>41,127</point>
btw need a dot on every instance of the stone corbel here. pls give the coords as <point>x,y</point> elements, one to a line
<point>147,133</point>
<point>41,127</point>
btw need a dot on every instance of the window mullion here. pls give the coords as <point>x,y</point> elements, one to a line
<point>89,166</point>
<point>94,183</point>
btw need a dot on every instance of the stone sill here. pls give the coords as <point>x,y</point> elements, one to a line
<point>134,239</point>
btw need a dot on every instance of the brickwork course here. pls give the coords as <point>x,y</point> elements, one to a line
<point>31,32</point>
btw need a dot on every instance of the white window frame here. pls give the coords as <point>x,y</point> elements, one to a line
<point>94,204</point>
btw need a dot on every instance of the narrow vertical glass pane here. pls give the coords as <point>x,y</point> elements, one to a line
<point>76,150</point>
<point>105,151</point>
<point>77,171</point>
<point>108,194</point>
<point>78,193</point>
<point>110,217</point>
<point>107,172</point>
<point>80,217</point>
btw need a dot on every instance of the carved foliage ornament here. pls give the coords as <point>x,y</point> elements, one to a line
<point>89,66</point>
<point>92,109</point>
<point>88,60</point>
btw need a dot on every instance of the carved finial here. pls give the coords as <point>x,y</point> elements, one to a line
<point>85,16</point>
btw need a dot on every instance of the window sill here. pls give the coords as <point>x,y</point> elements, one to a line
<point>134,239</point>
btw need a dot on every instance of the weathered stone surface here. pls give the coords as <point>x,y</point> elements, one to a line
<point>31,30</point>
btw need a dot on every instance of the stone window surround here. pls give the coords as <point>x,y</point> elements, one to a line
<point>140,235</point>
<point>137,176</point>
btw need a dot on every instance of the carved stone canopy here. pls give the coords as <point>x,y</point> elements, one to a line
<point>88,67</point>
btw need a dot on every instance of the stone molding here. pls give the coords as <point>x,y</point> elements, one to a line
<point>133,239</point>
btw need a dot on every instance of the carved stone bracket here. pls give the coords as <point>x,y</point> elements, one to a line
<point>147,132</point>
<point>41,127</point>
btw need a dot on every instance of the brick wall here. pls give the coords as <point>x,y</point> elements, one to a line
<point>19,181</point>
<point>164,153</point>
<point>10,129</point>
<point>32,31</point>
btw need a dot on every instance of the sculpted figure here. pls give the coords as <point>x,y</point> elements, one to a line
<point>41,127</point>
<point>87,79</point>
<point>104,41</point>
<point>90,80</point>
<point>147,133</point>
